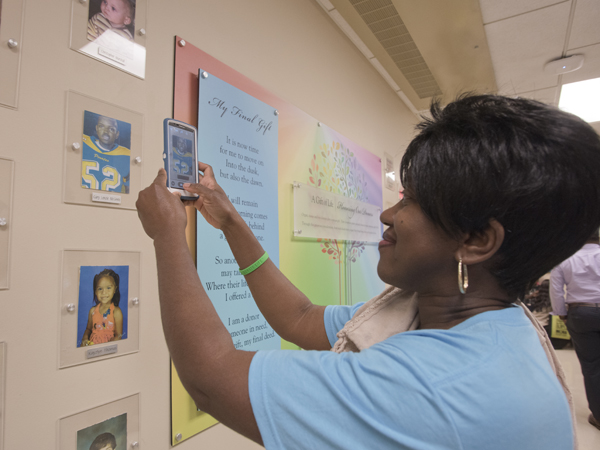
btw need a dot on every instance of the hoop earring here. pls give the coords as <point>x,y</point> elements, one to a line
<point>463,277</point>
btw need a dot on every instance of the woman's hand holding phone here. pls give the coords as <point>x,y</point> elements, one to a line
<point>212,202</point>
<point>160,211</point>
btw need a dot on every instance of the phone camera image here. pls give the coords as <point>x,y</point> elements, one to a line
<point>180,158</point>
<point>183,158</point>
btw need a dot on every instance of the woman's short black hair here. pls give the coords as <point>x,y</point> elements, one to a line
<point>532,167</point>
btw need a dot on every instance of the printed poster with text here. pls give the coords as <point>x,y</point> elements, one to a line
<point>238,137</point>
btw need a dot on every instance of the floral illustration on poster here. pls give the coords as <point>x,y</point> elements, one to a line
<point>336,169</point>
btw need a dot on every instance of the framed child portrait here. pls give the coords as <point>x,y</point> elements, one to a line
<point>103,153</point>
<point>111,31</point>
<point>113,426</point>
<point>11,36</point>
<point>99,305</point>
<point>106,153</point>
<point>101,316</point>
<point>6,190</point>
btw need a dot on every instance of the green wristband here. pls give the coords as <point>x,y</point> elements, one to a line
<point>256,265</point>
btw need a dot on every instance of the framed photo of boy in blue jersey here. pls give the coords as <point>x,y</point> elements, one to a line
<point>106,154</point>
<point>103,153</point>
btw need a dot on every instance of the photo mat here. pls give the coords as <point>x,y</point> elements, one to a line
<point>88,305</point>
<point>121,418</point>
<point>11,27</point>
<point>79,267</point>
<point>7,168</point>
<point>112,432</point>
<point>106,153</point>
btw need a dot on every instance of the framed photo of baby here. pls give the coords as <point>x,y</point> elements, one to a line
<point>111,31</point>
<point>106,154</point>
<point>102,313</point>
<point>118,16</point>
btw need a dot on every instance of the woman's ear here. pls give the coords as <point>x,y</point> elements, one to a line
<point>480,247</point>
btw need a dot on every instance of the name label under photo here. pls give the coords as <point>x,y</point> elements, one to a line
<point>106,198</point>
<point>95,352</point>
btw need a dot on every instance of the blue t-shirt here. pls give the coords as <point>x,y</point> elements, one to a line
<point>484,384</point>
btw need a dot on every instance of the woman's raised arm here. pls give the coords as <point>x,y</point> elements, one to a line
<point>291,314</point>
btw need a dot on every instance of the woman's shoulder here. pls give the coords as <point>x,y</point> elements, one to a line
<point>484,340</point>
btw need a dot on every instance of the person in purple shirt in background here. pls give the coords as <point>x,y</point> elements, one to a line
<point>579,306</point>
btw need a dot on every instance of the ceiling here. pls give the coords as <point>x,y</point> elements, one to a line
<point>426,48</point>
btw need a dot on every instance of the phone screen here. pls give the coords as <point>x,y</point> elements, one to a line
<point>181,148</point>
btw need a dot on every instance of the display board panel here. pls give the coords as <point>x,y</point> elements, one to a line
<point>116,424</point>
<point>99,305</point>
<point>112,33</point>
<point>302,140</point>
<point>186,419</point>
<point>11,44</point>
<point>103,153</point>
<point>6,195</point>
<point>238,136</point>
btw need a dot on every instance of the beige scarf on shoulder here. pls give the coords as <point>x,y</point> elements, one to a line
<point>394,311</point>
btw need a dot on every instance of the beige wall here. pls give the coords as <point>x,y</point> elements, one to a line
<point>288,46</point>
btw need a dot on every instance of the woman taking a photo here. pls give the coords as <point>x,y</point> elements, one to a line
<point>497,192</point>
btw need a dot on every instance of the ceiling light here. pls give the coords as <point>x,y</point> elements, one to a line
<point>564,65</point>
<point>582,99</point>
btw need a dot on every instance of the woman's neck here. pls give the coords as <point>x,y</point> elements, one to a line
<point>446,312</point>
<point>443,307</point>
